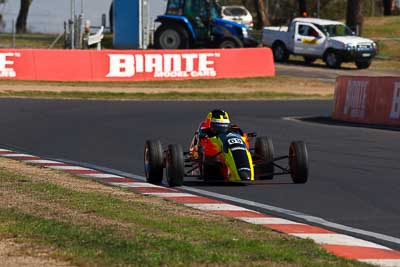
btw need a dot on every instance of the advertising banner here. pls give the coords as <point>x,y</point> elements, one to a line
<point>372,100</point>
<point>134,65</point>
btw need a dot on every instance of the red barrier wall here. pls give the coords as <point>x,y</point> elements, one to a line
<point>374,100</point>
<point>134,65</point>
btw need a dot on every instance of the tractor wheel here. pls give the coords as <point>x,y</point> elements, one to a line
<point>231,42</point>
<point>171,36</point>
<point>298,162</point>
<point>264,151</point>
<point>153,161</point>
<point>280,52</point>
<point>175,165</point>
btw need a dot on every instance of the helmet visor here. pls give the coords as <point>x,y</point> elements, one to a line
<point>218,127</point>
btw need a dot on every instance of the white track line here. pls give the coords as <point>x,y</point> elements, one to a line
<point>4,150</point>
<point>217,207</point>
<point>42,161</point>
<point>339,239</point>
<point>170,194</point>
<point>69,168</point>
<point>101,175</point>
<point>134,184</point>
<point>382,262</point>
<point>267,220</point>
<point>14,155</point>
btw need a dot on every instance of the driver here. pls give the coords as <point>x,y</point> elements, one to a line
<point>216,122</point>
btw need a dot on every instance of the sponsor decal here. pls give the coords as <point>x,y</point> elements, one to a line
<point>163,65</point>
<point>233,141</point>
<point>6,64</point>
<point>395,112</point>
<point>356,97</point>
<point>310,41</point>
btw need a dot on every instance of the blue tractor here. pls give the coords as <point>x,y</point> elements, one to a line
<point>197,23</point>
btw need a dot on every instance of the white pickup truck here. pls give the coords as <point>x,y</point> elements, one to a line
<point>313,38</point>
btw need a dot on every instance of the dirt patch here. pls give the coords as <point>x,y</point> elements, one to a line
<point>15,254</point>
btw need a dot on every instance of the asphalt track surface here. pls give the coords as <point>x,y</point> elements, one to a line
<point>354,171</point>
<point>298,68</point>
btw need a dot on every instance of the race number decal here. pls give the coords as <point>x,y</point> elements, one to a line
<point>233,141</point>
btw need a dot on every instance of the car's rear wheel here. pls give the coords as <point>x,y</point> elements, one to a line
<point>175,165</point>
<point>264,153</point>
<point>298,162</point>
<point>153,161</point>
<point>280,52</point>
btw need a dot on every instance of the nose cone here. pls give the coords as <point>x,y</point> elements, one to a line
<point>244,175</point>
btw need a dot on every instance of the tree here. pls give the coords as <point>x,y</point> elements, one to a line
<point>262,13</point>
<point>354,15</point>
<point>23,16</point>
<point>387,7</point>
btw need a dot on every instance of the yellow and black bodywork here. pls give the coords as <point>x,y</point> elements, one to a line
<point>227,154</point>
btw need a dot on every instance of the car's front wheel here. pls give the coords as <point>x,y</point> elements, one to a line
<point>363,64</point>
<point>175,165</point>
<point>264,153</point>
<point>298,162</point>
<point>153,161</point>
<point>333,60</point>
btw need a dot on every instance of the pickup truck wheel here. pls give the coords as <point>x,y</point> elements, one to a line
<point>309,60</point>
<point>171,36</point>
<point>280,52</point>
<point>231,43</point>
<point>333,60</point>
<point>363,64</point>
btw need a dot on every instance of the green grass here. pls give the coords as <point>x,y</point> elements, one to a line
<point>388,27</point>
<point>138,233</point>
<point>170,95</point>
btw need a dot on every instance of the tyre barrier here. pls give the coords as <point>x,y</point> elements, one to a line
<point>370,100</point>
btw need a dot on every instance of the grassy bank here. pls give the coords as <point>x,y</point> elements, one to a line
<point>171,95</point>
<point>280,87</point>
<point>85,223</point>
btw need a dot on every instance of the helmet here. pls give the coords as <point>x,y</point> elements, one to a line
<point>219,121</point>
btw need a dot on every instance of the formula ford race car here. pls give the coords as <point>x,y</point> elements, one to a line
<point>224,157</point>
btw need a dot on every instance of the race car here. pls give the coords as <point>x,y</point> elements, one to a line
<point>225,156</point>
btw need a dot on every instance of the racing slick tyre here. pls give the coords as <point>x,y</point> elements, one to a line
<point>363,64</point>
<point>232,42</point>
<point>264,152</point>
<point>171,36</point>
<point>280,52</point>
<point>175,165</point>
<point>153,161</point>
<point>332,60</point>
<point>298,162</point>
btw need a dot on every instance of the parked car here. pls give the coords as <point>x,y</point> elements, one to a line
<point>312,38</point>
<point>238,14</point>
